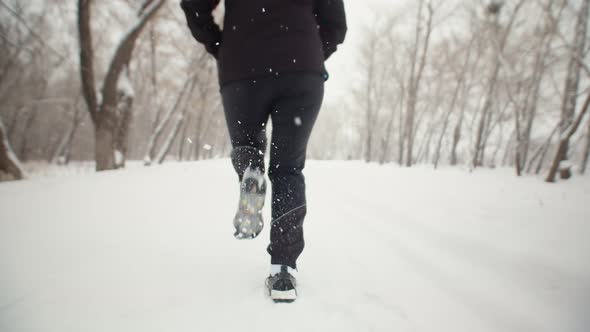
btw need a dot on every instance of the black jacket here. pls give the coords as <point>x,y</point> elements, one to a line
<point>268,37</point>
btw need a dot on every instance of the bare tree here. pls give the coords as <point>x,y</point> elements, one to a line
<point>460,77</point>
<point>418,62</point>
<point>109,113</point>
<point>393,112</point>
<point>180,118</point>
<point>63,151</point>
<point>370,108</point>
<point>540,153</point>
<point>373,91</point>
<point>572,83</point>
<point>526,109</point>
<point>564,143</point>
<point>499,40</point>
<point>159,129</point>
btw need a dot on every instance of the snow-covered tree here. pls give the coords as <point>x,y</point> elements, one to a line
<point>110,109</point>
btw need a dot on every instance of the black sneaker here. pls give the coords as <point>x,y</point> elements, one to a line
<point>248,220</point>
<point>281,286</point>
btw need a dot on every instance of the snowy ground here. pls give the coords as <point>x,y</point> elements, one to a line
<point>388,249</point>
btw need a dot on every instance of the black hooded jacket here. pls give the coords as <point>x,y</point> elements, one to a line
<point>268,37</point>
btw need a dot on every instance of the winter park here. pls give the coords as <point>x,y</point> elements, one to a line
<point>294,165</point>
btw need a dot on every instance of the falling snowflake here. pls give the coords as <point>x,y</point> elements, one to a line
<point>297,121</point>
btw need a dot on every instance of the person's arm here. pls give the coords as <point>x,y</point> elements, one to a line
<point>331,19</point>
<point>200,21</point>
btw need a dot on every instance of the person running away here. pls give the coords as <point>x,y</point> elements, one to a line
<point>270,57</point>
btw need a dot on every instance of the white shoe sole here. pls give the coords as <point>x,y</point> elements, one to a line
<point>283,296</point>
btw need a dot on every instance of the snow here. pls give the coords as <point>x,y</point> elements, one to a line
<point>387,249</point>
<point>119,157</point>
<point>125,86</point>
<point>565,164</point>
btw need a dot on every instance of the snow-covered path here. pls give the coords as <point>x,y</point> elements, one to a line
<point>387,249</point>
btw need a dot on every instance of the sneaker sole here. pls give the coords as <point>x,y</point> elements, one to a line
<point>283,296</point>
<point>248,220</point>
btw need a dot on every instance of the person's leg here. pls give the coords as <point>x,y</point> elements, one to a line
<point>247,105</point>
<point>293,116</point>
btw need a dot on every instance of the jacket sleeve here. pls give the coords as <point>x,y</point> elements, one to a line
<point>200,21</point>
<point>331,20</point>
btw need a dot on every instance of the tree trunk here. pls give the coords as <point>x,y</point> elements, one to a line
<point>517,154</point>
<point>541,151</point>
<point>110,124</point>
<point>508,149</point>
<point>13,122</point>
<point>183,137</point>
<point>158,130</point>
<point>478,153</point>
<point>171,138</point>
<point>401,137</point>
<point>387,140</point>
<point>541,160</point>
<point>63,151</point>
<point>448,114</point>
<point>416,77</point>
<point>179,121</point>
<point>564,144</point>
<point>586,152</point>
<point>532,109</point>
<point>9,163</point>
<point>24,145</point>
<point>457,134</point>
<point>124,117</point>
<point>369,111</point>
<point>572,83</point>
<point>104,134</point>
<point>500,39</point>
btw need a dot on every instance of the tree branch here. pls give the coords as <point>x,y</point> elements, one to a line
<point>124,51</point>
<point>86,57</point>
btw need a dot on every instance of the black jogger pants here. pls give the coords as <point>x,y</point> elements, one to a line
<point>293,102</point>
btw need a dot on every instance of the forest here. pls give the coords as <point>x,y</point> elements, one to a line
<point>485,83</point>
